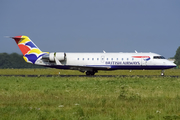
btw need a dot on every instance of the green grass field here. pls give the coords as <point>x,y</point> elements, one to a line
<point>89,98</point>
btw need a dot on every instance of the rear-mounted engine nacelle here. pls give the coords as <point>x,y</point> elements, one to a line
<point>60,56</point>
<point>55,56</point>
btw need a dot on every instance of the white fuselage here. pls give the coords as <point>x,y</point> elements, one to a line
<point>119,59</point>
<point>112,61</point>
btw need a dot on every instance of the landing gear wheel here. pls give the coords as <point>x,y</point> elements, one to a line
<point>90,73</point>
<point>162,74</point>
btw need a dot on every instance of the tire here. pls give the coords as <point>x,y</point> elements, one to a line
<point>90,73</point>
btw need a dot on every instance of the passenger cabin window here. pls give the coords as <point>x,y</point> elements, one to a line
<point>159,57</point>
<point>97,58</point>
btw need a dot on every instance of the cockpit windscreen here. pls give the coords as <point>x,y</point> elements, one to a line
<point>159,57</point>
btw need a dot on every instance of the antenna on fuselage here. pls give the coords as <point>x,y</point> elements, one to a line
<point>104,51</point>
<point>136,51</point>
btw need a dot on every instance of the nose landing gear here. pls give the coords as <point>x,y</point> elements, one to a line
<point>162,73</point>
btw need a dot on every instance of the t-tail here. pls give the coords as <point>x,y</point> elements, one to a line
<point>31,53</point>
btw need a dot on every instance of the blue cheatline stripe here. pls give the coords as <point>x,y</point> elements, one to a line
<point>114,67</point>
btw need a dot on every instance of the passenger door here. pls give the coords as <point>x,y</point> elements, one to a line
<point>102,59</point>
<point>143,62</point>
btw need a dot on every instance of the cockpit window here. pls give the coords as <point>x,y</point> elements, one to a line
<point>159,57</point>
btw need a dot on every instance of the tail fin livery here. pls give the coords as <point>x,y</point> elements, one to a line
<point>30,51</point>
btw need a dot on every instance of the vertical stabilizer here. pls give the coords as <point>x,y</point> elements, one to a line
<point>29,50</point>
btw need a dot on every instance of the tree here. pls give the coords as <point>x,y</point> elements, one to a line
<point>177,56</point>
<point>14,60</point>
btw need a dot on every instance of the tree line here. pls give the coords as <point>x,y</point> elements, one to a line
<point>14,60</point>
<point>177,57</point>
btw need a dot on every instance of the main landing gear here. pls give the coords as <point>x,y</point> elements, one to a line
<point>90,72</point>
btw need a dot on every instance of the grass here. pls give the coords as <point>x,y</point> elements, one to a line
<point>84,98</point>
<point>75,72</point>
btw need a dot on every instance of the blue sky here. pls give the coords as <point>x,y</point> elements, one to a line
<point>92,25</point>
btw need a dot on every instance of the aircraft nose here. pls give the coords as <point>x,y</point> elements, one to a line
<point>170,63</point>
<point>174,65</point>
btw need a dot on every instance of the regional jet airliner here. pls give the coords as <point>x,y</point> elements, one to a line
<point>90,63</point>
